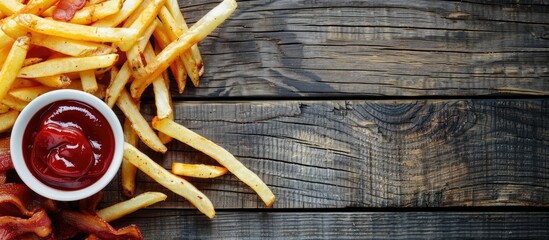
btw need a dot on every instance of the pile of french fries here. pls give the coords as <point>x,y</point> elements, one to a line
<point>115,49</point>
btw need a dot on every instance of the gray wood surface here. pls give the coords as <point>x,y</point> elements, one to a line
<point>287,48</point>
<point>288,87</point>
<point>337,154</point>
<point>342,225</point>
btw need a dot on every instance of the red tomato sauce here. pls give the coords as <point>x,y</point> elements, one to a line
<point>68,145</point>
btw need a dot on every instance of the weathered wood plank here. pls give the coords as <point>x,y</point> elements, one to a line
<point>288,48</point>
<point>176,224</point>
<point>336,154</point>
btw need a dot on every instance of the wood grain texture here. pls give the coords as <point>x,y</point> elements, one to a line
<point>288,48</point>
<point>337,154</point>
<point>341,225</point>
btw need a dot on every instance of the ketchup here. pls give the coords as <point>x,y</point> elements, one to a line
<point>68,145</point>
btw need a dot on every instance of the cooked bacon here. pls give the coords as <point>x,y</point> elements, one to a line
<point>92,224</point>
<point>3,177</point>
<point>66,8</point>
<point>39,223</point>
<point>5,157</point>
<point>17,200</point>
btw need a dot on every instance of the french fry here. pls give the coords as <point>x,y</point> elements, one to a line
<point>67,64</point>
<point>139,124</point>
<point>94,12</point>
<point>173,7</point>
<point>174,183</point>
<point>55,81</point>
<point>13,29</point>
<point>14,103</point>
<point>28,94</point>
<point>76,31</point>
<point>144,19</point>
<point>161,92</point>
<point>23,83</point>
<point>117,84</point>
<point>128,170</point>
<point>89,83</point>
<point>7,120</point>
<point>127,9</point>
<point>197,32</point>
<point>218,153</point>
<point>174,31</point>
<point>71,47</point>
<point>13,63</point>
<point>124,208</point>
<point>163,137</point>
<point>197,170</point>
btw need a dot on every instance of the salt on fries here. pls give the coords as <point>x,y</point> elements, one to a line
<point>39,54</point>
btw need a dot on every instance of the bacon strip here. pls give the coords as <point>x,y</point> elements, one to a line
<point>66,8</point>
<point>17,200</point>
<point>39,223</point>
<point>94,225</point>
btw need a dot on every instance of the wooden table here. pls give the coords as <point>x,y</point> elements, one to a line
<point>387,119</point>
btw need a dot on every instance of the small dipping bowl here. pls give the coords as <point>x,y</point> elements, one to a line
<point>17,148</point>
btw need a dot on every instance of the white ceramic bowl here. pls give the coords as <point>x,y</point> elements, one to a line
<point>16,145</point>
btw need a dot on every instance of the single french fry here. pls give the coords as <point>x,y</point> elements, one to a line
<point>161,92</point>
<point>23,83</point>
<point>28,94</point>
<point>88,80</point>
<point>124,208</point>
<point>76,31</point>
<point>128,170</point>
<point>67,64</point>
<point>139,124</point>
<point>174,183</point>
<point>218,153</point>
<point>128,7</point>
<point>174,31</point>
<point>14,103</point>
<point>173,7</point>
<point>13,63</point>
<point>197,32</point>
<point>55,81</point>
<point>145,18</point>
<point>94,12</point>
<point>117,84</point>
<point>13,29</point>
<point>7,120</point>
<point>165,139</point>
<point>197,170</point>
<point>71,47</point>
